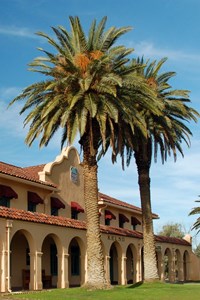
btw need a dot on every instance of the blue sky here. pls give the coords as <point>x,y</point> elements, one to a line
<point>161,28</point>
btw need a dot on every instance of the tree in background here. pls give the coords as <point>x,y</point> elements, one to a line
<point>172,230</point>
<point>197,250</point>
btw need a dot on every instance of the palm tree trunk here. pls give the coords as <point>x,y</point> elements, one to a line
<point>95,260</point>
<point>143,166</point>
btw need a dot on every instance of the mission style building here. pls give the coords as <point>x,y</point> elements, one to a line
<point>43,232</point>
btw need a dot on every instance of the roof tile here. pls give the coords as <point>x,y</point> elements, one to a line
<point>22,215</point>
<point>29,173</point>
<point>117,202</point>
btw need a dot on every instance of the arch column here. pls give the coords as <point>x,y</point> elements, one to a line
<point>180,270</point>
<point>3,271</point>
<point>107,268</point>
<point>7,255</point>
<point>187,270</point>
<point>36,271</point>
<point>63,280</point>
<point>83,269</point>
<point>123,270</point>
<point>172,274</point>
<point>162,268</point>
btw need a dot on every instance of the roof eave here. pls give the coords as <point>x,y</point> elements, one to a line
<point>31,182</point>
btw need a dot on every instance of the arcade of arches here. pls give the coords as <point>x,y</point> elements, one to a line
<point>58,259</point>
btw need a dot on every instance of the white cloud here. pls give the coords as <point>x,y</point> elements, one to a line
<point>149,49</point>
<point>9,93</point>
<point>11,121</point>
<point>17,31</point>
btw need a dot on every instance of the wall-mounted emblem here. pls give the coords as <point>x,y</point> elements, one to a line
<point>74,174</point>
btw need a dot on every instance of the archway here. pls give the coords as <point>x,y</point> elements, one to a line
<point>76,262</point>
<point>178,266</point>
<point>168,265</point>
<point>20,260</point>
<point>49,262</point>
<point>131,256</point>
<point>159,263</point>
<point>115,266</point>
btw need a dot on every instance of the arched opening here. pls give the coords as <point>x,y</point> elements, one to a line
<point>115,270</point>
<point>49,262</point>
<point>186,258</point>
<point>75,265</point>
<point>19,261</point>
<point>159,262</point>
<point>178,266</point>
<point>131,264</point>
<point>167,265</point>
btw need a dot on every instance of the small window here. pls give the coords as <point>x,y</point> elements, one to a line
<point>4,201</point>
<point>121,223</point>
<point>134,226</point>
<point>74,214</point>
<point>122,219</point>
<point>54,211</point>
<point>31,206</point>
<point>107,222</point>
<point>75,260</point>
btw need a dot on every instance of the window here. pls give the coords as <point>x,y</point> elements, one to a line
<point>121,223</point>
<point>75,260</point>
<point>134,226</point>
<point>135,222</point>
<point>74,214</point>
<point>56,204</point>
<point>31,206</point>
<point>122,219</point>
<point>33,200</point>
<point>75,210</point>
<point>108,217</point>
<point>53,259</point>
<point>107,222</point>
<point>5,201</point>
<point>54,211</point>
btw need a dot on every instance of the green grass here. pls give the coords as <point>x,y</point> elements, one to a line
<point>147,291</point>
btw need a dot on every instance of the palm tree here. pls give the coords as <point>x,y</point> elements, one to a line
<point>165,132</point>
<point>87,86</point>
<point>195,211</point>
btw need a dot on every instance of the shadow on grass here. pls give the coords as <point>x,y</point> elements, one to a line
<point>135,285</point>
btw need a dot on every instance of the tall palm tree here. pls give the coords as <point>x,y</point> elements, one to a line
<point>165,133</point>
<point>195,211</point>
<point>87,86</point>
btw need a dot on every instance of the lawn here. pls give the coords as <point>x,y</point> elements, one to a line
<point>147,291</point>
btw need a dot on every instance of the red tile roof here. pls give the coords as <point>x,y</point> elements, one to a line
<point>117,202</point>
<point>121,231</point>
<point>29,173</point>
<point>171,240</point>
<point>22,215</point>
